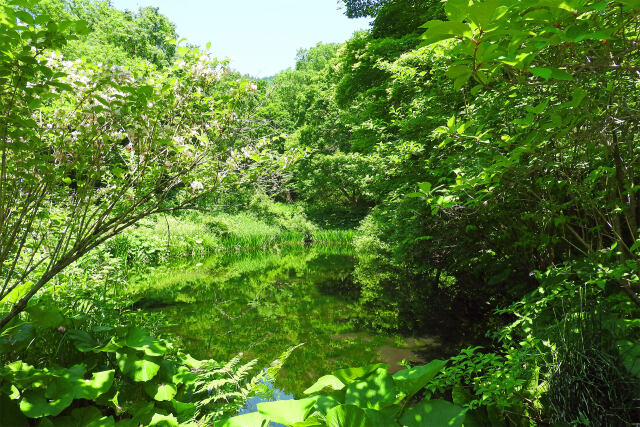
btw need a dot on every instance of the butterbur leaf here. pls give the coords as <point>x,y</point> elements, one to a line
<point>348,375</point>
<point>346,415</point>
<point>433,413</point>
<point>324,403</point>
<point>254,419</point>
<point>160,392</point>
<point>44,315</point>
<point>139,369</point>
<point>377,391</point>
<point>184,410</point>
<point>309,422</point>
<point>99,383</point>
<point>16,338</point>
<point>140,340</point>
<point>34,404</point>
<point>383,418</point>
<point>82,341</point>
<point>327,381</point>
<point>89,416</point>
<point>410,381</point>
<point>161,420</point>
<point>287,412</point>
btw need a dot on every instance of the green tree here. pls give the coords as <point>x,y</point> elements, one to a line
<point>88,150</point>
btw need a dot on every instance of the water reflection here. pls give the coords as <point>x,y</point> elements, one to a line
<point>262,303</point>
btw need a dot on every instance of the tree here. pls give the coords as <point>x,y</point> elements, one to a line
<point>362,8</point>
<point>88,150</point>
<point>116,36</point>
<point>571,147</point>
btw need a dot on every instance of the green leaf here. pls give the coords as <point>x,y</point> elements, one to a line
<point>16,338</point>
<point>376,391</point>
<point>309,422</point>
<point>138,339</point>
<point>44,316</point>
<point>90,389</point>
<point>89,416</point>
<point>184,410</point>
<point>161,420</point>
<point>442,30</point>
<point>383,418</point>
<point>327,381</point>
<point>346,416</point>
<point>542,72</point>
<point>348,375</point>
<point>433,413</point>
<point>481,13</point>
<point>138,369</point>
<point>425,187</point>
<point>287,411</point>
<point>412,380</point>
<point>160,392</point>
<point>254,419</point>
<point>561,75</point>
<point>34,404</point>
<point>82,341</point>
<point>457,10</point>
<point>324,403</point>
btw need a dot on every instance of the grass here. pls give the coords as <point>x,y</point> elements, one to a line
<point>195,235</point>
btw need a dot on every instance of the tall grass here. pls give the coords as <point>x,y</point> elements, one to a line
<point>263,225</point>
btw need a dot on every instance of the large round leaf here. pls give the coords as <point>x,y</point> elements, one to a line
<point>90,389</point>
<point>160,392</point>
<point>327,381</point>
<point>410,381</point>
<point>287,412</point>
<point>139,369</point>
<point>254,419</point>
<point>89,416</point>
<point>161,420</point>
<point>138,339</point>
<point>82,341</point>
<point>348,375</point>
<point>376,392</point>
<point>16,338</point>
<point>44,315</point>
<point>346,416</point>
<point>433,413</point>
<point>34,404</point>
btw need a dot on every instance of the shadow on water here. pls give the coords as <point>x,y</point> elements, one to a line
<point>262,303</point>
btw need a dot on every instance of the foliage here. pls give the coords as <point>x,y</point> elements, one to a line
<point>145,382</point>
<point>362,396</point>
<point>115,37</point>
<point>89,150</point>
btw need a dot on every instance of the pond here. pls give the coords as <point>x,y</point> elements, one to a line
<point>262,303</point>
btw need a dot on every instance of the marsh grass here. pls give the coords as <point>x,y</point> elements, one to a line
<point>164,239</point>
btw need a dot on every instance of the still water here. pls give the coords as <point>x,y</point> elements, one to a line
<point>262,303</point>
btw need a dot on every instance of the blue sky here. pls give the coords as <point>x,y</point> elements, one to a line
<point>261,37</point>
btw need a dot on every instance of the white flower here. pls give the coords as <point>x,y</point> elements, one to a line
<point>197,185</point>
<point>253,87</point>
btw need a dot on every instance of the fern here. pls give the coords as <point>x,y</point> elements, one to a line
<point>221,390</point>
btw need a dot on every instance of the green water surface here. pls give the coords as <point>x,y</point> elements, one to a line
<point>262,303</point>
